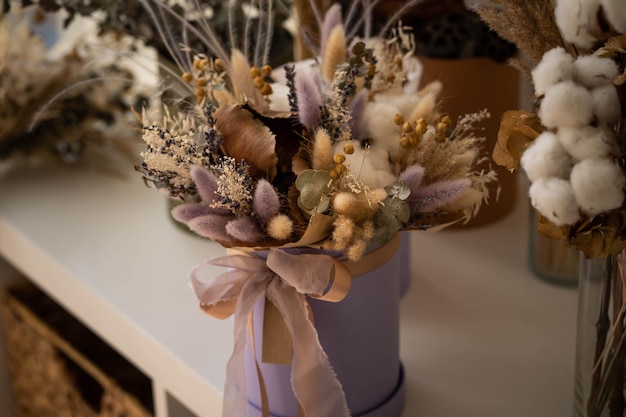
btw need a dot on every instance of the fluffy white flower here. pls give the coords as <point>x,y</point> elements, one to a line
<point>593,71</point>
<point>606,106</point>
<point>554,198</point>
<point>279,100</point>
<point>566,104</point>
<point>546,157</point>
<point>577,20</point>
<point>615,13</point>
<point>587,142</point>
<point>379,119</point>
<point>371,167</point>
<point>597,184</point>
<point>556,65</point>
<point>414,70</point>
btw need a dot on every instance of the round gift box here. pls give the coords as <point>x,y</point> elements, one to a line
<point>360,335</point>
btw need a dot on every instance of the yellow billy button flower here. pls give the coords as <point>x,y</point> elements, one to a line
<point>339,158</point>
<point>219,65</point>
<point>266,90</point>
<point>258,82</point>
<point>255,72</point>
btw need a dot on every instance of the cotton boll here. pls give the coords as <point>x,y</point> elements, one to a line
<point>597,184</point>
<point>380,126</point>
<point>379,120</point>
<point>593,71</point>
<point>555,66</point>
<point>615,13</point>
<point>587,142</point>
<point>606,106</point>
<point>554,198</point>
<point>546,157</point>
<point>566,104</point>
<point>372,168</point>
<point>577,20</point>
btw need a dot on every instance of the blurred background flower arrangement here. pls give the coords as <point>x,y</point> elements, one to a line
<point>65,94</point>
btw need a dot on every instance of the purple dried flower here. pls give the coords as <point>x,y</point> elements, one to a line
<point>439,194</point>
<point>244,229</point>
<point>212,226</point>
<point>206,183</point>
<point>309,100</point>
<point>265,203</point>
<point>357,110</point>
<point>413,176</point>
<point>184,213</point>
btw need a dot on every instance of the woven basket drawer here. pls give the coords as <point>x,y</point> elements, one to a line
<point>59,368</point>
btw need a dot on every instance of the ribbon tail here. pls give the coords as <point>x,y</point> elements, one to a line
<point>313,380</point>
<point>235,401</point>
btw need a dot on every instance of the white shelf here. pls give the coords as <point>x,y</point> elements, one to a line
<point>480,335</point>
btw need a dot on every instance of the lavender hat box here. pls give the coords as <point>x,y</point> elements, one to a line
<point>360,335</point>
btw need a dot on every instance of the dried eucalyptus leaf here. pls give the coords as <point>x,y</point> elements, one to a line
<point>548,229</point>
<point>518,129</point>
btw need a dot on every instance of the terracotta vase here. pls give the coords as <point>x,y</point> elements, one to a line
<point>471,85</point>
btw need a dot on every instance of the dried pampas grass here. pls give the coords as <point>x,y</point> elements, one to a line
<point>529,24</point>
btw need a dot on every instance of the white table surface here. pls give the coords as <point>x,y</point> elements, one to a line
<point>480,336</point>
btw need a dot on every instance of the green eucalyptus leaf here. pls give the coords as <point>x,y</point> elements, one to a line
<point>311,176</point>
<point>404,212</point>
<point>398,189</point>
<point>314,188</point>
<point>387,225</point>
<point>323,205</point>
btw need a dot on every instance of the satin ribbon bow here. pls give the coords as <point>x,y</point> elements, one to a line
<point>285,279</point>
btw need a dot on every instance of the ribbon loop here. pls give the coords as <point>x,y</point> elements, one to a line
<point>317,275</point>
<point>284,279</point>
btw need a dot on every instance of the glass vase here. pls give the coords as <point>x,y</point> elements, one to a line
<point>549,259</point>
<point>600,347</point>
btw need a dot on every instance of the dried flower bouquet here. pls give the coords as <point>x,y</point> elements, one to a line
<point>345,151</point>
<point>335,154</point>
<point>572,149</point>
<point>66,103</point>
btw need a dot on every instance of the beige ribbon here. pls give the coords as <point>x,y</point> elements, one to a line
<point>285,279</point>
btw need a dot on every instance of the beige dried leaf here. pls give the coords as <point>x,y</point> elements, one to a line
<point>518,129</point>
<point>246,138</point>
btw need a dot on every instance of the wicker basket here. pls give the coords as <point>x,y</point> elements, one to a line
<point>61,369</point>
